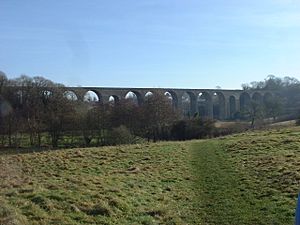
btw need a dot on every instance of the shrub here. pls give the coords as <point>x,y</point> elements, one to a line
<point>231,128</point>
<point>178,130</point>
<point>192,129</point>
<point>121,135</point>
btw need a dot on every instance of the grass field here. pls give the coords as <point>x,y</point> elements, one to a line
<point>250,178</point>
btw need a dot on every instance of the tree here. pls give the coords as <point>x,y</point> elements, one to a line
<point>10,110</point>
<point>157,114</point>
<point>273,106</point>
<point>58,113</point>
<point>273,83</point>
<point>86,121</point>
<point>125,113</point>
<point>3,81</point>
<point>3,105</point>
<point>102,122</point>
<point>179,130</point>
<point>254,111</point>
<point>288,88</point>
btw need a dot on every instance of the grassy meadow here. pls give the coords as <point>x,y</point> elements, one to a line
<point>250,178</point>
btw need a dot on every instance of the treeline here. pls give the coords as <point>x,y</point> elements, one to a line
<point>35,112</point>
<point>272,82</point>
<point>287,102</point>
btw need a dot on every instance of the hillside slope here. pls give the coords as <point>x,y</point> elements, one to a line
<point>250,178</point>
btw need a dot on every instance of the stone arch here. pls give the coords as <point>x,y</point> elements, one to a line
<point>188,101</point>
<point>148,94</point>
<point>92,96</point>
<point>47,93</point>
<point>256,97</point>
<point>204,105</point>
<point>232,106</point>
<point>193,102</point>
<point>169,96</point>
<point>135,96</point>
<point>267,97</point>
<point>218,100</point>
<point>20,96</point>
<point>70,95</point>
<point>113,99</point>
<point>245,101</point>
<point>172,95</point>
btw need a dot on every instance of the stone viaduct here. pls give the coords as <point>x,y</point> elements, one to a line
<point>211,103</point>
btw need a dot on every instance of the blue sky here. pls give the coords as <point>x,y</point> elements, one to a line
<point>150,43</point>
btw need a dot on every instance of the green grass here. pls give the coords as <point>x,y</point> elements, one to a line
<point>228,194</point>
<point>250,178</point>
<point>140,184</point>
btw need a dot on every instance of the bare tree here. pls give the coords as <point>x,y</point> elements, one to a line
<point>58,113</point>
<point>273,106</point>
<point>254,111</point>
<point>157,113</point>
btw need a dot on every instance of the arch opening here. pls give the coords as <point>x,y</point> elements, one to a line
<point>113,100</point>
<point>169,97</point>
<point>204,105</point>
<point>267,98</point>
<point>134,97</point>
<point>218,100</point>
<point>70,95</point>
<point>257,98</point>
<point>19,95</point>
<point>172,97</point>
<point>245,104</point>
<point>186,105</point>
<point>148,95</point>
<point>46,93</point>
<point>91,96</point>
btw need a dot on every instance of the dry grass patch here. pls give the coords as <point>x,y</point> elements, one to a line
<point>110,185</point>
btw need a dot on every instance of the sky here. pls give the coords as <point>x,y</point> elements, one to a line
<point>150,43</point>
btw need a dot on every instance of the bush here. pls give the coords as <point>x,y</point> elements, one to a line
<point>178,130</point>
<point>192,129</point>
<point>231,128</point>
<point>121,135</point>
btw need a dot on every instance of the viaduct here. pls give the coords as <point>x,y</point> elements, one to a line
<point>210,103</point>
